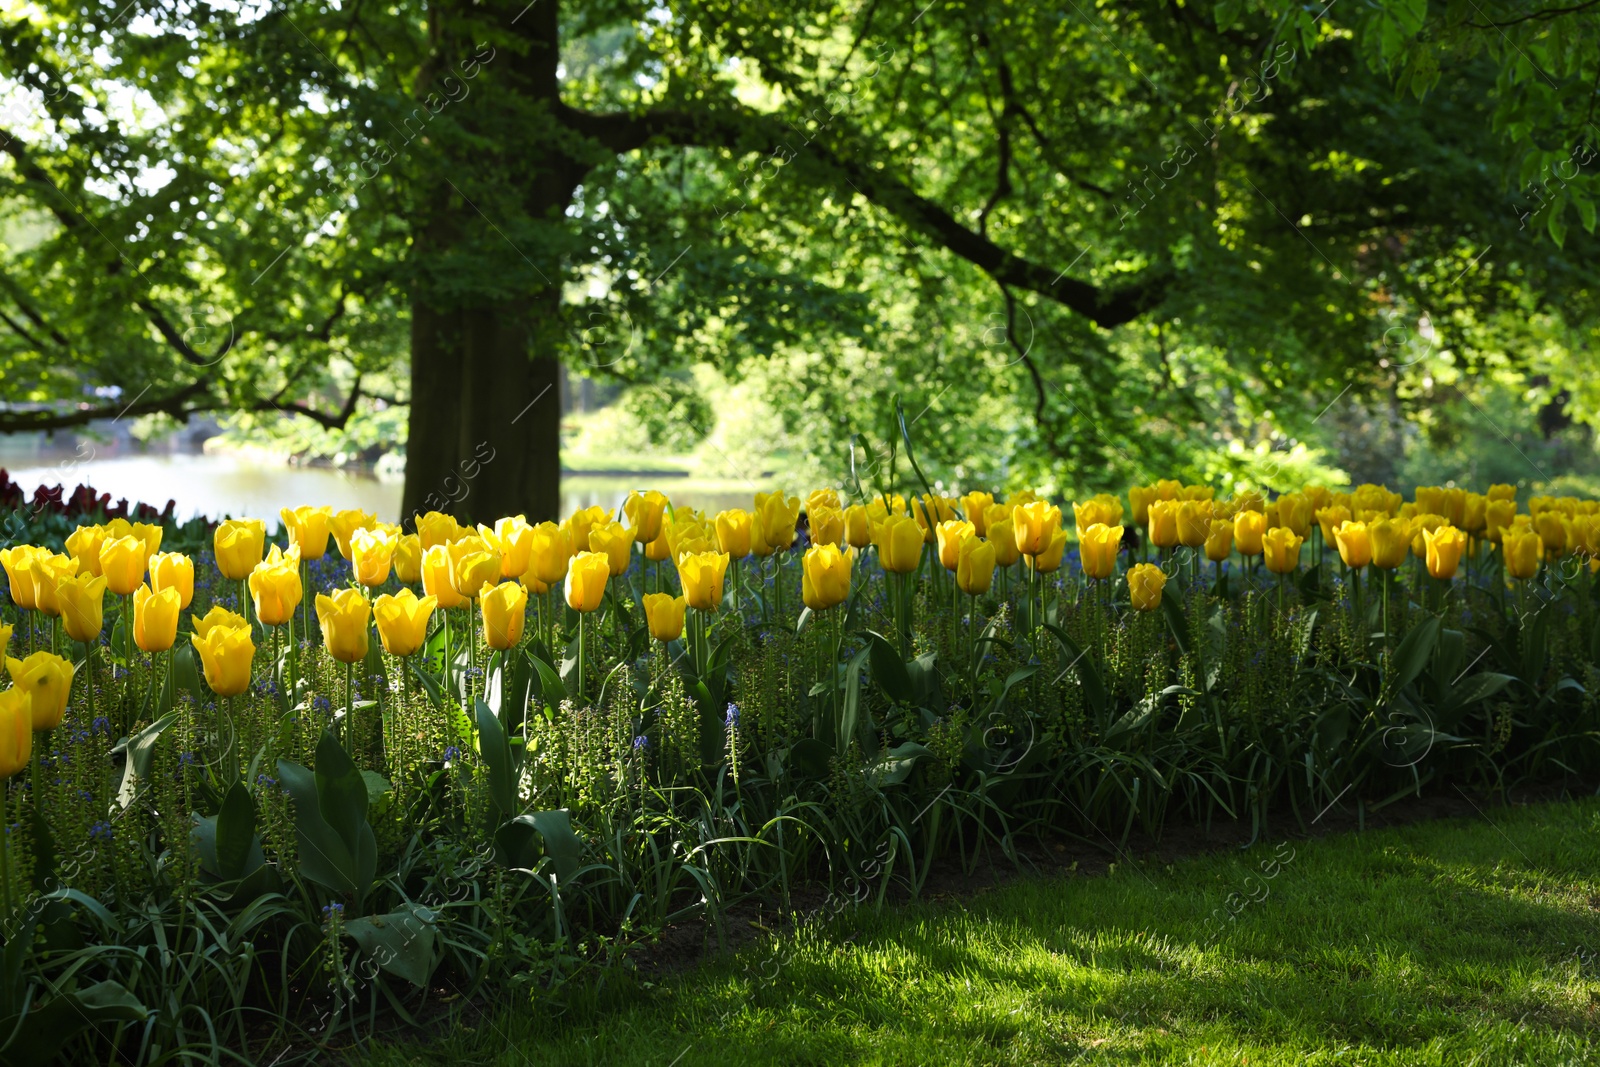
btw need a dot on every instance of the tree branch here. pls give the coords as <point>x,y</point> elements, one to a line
<point>747,132</point>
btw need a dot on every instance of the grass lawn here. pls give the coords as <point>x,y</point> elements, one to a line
<point>1458,942</point>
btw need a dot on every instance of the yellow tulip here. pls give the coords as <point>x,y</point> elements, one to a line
<point>1194,522</point>
<point>1282,549</point>
<point>1502,492</point>
<point>1497,515</point>
<point>586,580</point>
<point>1168,489</point>
<point>348,522</point>
<point>149,533</point>
<point>344,618</point>
<point>1391,540</point>
<point>439,577</point>
<point>580,522</point>
<point>975,566</point>
<point>6,630</point>
<point>1034,526</point>
<point>948,537</point>
<point>858,526</point>
<point>663,613</point>
<point>47,679</point>
<point>505,610</point>
<point>1249,528</point>
<point>239,544</point>
<point>275,587</point>
<point>1330,519</point>
<point>616,542</point>
<point>1523,549</point>
<point>827,526</point>
<point>474,569</point>
<point>1145,582</point>
<point>1474,513</point>
<point>899,542</point>
<point>701,574</point>
<point>217,617</point>
<point>50,569</point>
<point>733,532</point>
<point>372,555</point>
<point>81,599</point>
<point>548,556</point>
<point>1102,508</point>
<point>975,506</point>
<point>84,546</point>
<point>16,731</point>
<point>226,655</point>
<point>777,516</point>
<point>644,511</point>
<point>1219,541</point>
<point>512,537</point>
<point>1097,549</point>
<point>1445,546</point>
<point>1319,495</point>
<point>173,570</point>
<point>1140,497</point>
<point>825,576</point>
<point>155,618</point>
<point>1049,561</point>
<point>122,564</point>
<point>929,510</point>
<point>308,529</point>
<point>408,559</point>
<point>1196,492</point>
<point>1021,496</point>
<point>658,551</point>
<point>1295,512</point>
<point>824,498</point>
<point>685,532</point>
<point>433,529</point>
<point>1003,536</point>
<point>1355,543</point>
<point>1552,531</point>
<point>20,575</point>
<point>402,620</point>
<point>1164,522</point>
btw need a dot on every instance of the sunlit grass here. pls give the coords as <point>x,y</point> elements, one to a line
<point>1448,943</point>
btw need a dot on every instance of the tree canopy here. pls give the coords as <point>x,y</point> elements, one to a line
<point>1081,242</point>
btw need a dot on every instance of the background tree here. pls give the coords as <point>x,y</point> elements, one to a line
<point>1082,242</point>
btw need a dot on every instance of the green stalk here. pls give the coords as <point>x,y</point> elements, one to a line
<point>5,845</point>
<point>581,629</point>
<point>349,710</point>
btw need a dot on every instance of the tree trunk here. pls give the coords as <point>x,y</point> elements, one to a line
<point>485,423</point>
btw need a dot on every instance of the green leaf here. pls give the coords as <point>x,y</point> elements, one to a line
<point>1412,655</point>
<point>496,753</point>
<point>236,832</point>
<point>141,749</point>
<point>888,669</point>
<point>402,942</point>
<point>565,849</point>
<point>38,1036</point>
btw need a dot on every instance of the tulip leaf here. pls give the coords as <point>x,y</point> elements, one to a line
<point>888,669</point>
<point>1177,623</point>
<point>514,842</point>
<point>337,848</point>
<point>1412,655</point>
<point>1094,687</point>
<point>236,833</point>
<point>141,749</point>
<point>38,1034</point>
<point>852,720</point>
<point>905,435</point>
<point>430,684</point>
<point>496,753</point>
<point>551,689</point>
<point>805,617</point>
<point>896,765</point>
<point>401,942</point>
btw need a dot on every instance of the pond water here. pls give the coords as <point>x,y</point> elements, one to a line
<point>224,484</point>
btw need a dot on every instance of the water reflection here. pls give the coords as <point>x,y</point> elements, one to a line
<point>215,485</point>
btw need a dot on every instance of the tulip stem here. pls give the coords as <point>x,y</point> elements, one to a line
<point>581,628</point>
<point>349,710</point>
<point>5,843</point>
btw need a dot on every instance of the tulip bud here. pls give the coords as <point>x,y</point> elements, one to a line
<point>1035,525</point>
<point>1390,540</point>
<point>218,616</point>
<point>20,576</point>
<point>155,618</point>
<point>733,532</point>
<point>586,580</point>
<point>1522,549</point>
<point>975,506</point>
<point>827,526</point>
<point>825,577</point>
<point>82,611</point>
<point>857,526</point>
<point>701,574</point>
<point>239,544</point>
<point>1445,546</point>
<point>402,620</point>
<point>948,536</point>
<point>371,555</point>
<point>122,564</point>
<point>505,610</point>
<point>1282,549</point>
<point>549,554</point>
<point>616,542</point>
<point>1097,549</point>
<point>226,655</point>
<point>308,529</point>
<point>84,546</point>
<point>663,613</point>
<point>1355,544</point>
<point>408,559</point>
<point>512,537</point>
<point>644,512</point>
<point>899,544</point>
<point>275,587</point>
<point>344,618</point>
<point>1145,582</point>
<point>1249,527</point>
<point>173,570</point>
<point>439,577</point>
<point>975,566</point>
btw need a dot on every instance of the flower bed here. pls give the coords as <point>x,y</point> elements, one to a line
<point>258,794</point>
